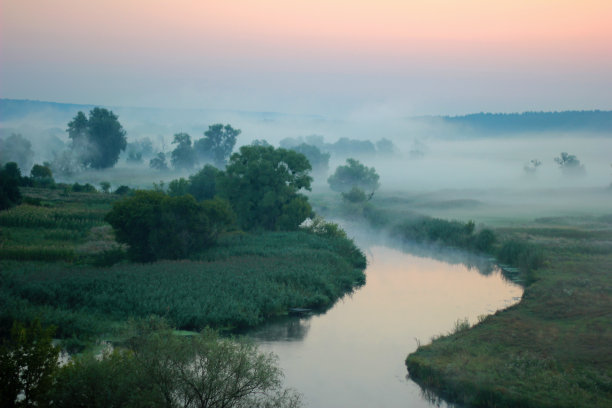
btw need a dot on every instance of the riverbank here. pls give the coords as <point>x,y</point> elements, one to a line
<point>59,262</point>
<point>554,348</point>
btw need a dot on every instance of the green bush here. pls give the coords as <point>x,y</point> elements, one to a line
<point>526,256</point>
<point>156,226</point>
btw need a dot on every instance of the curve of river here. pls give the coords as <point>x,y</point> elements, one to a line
<point>353,355</point>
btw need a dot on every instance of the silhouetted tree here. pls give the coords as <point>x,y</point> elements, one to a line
<point>99,139</point>
<point>354,174</point>
<point>159,162</point>
<point>183,156</point>
<point>217,144</point>
<point>569,164</point>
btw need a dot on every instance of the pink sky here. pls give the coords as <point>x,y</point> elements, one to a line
<point>311,56</point>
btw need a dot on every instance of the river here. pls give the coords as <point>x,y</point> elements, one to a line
<point>353,355</point>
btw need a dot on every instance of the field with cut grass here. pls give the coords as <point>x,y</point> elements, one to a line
<point>554,348</point>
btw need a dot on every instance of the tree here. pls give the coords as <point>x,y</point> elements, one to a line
<point>318,160</point>
<point>178,187</point>
<point>217,143</point>
<point>10,177</point>
<point>262,184</point>
<point>162,369</point>
<point>155,225</point>
<point>105,186</point>
<point>99,139</point>
<point>532,167</point>
<point>18,149</point>
<point>354,174</point>
<point>569,164</point>
<point>203,184</point>
<point>183,156</point>
<point>385,146</point>
<point>159,162</point>
<point>28,363</point>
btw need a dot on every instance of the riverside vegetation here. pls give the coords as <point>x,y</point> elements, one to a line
<point>63,265</point>
<point>554,348</point>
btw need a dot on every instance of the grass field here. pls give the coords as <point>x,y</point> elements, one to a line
<point>553,349</point>
<point>51,252</point>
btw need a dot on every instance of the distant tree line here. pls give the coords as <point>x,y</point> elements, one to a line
<point>593,121</point>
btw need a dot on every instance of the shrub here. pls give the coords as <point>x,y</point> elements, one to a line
<point>155,225</point>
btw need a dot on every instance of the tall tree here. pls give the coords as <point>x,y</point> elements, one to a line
<point>262,184</point>
<point>97,140</point>
<point>217,143</point>
<point>354,174</point>
<point>183,156</point>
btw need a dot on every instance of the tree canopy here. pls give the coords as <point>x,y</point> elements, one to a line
<point>318,160</point>
<point>569,164</point>
<point>263,183</point>
<point>183,156</point>
<point>10,176</point>
<point>97,140</point>
<point>157,226</point>
<point>354,174</point>
<point>217,143</point>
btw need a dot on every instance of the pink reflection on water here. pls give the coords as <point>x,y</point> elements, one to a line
<point>354,354</point>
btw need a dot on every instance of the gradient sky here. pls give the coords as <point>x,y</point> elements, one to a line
<point>324,57</point>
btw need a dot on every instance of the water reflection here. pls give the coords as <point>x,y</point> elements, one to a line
<point>283,329</point>
<point>353,355</point>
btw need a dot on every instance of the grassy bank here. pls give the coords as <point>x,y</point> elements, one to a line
<point>553,349</point>
<point>49,268</point>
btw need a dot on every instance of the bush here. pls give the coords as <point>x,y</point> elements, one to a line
<point>526,256</point>
<point>155,225</point>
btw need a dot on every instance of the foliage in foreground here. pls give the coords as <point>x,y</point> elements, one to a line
<point>155,368</point>
<point>28,364</point>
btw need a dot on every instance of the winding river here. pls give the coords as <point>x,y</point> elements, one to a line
<point>353,355</point>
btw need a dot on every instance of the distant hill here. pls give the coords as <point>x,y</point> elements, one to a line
<point>15,109</point>
<point>595,121</point>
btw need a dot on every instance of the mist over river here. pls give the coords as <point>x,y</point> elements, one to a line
<point>353,355</point>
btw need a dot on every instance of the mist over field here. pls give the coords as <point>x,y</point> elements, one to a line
<point>427,154</point>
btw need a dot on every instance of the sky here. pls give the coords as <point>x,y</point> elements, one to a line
<point>325,57</point>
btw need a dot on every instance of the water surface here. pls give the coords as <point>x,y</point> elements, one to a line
<point>353,355</point>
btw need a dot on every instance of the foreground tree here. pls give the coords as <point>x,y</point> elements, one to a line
<point>28,363</point>
<point>354,174</point>
<point>263,183</point>
<point>217,144</point>
<point>157,226</point>
<point>97,140</point>
<point>161,369</point>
